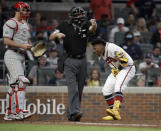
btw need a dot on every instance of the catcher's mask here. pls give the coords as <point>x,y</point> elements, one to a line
<point>77,15</point>
<point>23,8</point>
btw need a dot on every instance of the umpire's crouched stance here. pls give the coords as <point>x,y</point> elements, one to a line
<point>74,34</point>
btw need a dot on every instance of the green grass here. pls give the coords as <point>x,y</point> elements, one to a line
<point>38,127</point>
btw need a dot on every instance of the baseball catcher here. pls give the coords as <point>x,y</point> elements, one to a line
<point>16,36</point>
<point>122,71</point>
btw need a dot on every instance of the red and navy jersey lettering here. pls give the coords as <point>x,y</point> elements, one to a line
<point>110,59</point>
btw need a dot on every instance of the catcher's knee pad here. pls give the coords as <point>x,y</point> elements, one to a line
<point>19,82</point>
<point>22,83</point>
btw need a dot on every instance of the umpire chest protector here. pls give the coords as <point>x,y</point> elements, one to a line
<point>75,41</point>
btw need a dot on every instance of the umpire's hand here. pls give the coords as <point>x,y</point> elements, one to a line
<point>56,35</point>
<point>93,26</point>
<point>93,22</point>
<point>60,35</point>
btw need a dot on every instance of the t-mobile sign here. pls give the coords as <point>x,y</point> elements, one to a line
<point>49,107</point>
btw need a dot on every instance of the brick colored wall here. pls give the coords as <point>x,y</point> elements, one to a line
<point>136,106</point>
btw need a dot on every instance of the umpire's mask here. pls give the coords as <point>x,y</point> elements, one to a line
<point>77,15</point>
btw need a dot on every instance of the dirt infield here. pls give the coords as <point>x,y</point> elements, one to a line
<point>63,121</point>
<point>143,124</point>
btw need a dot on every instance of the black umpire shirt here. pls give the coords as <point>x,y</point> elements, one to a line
<point>75,41</point>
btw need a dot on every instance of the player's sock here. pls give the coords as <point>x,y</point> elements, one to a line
<point>110,100</point>
<point>118,96</point>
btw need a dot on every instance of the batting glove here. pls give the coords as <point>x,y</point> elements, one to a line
<point>115,71</point>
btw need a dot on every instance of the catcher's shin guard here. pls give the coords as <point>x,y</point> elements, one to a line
<point>20,93</point>
<point>20,100</point>
<point>115,111</point>
<point>10,101</point>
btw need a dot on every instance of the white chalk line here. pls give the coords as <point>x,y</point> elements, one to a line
<point>113,124</point>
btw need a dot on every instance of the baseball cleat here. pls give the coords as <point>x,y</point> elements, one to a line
<point>19,116</point>
<point>75,117</point>
<point>9,117</point>
<point>26,114</point>
<point>114,113</point>
<point>108,118</point>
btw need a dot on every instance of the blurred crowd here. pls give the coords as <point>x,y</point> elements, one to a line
<point>136,28</point>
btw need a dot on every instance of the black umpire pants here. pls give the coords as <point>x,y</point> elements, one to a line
<point>75,73</point>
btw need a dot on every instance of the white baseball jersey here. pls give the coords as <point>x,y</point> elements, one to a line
<point>110,55</point>
<point>120,82</point>
<point>18,31</point>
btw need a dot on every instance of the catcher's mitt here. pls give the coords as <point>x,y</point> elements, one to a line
<point>39,49</point>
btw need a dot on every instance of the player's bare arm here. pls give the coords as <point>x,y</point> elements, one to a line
<point>9,42</point>
<point>93,26</point>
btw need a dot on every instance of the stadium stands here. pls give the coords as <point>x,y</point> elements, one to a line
<point>145,47</point>
<point>44,75</point>
<point>119,37</point>
<point>152,75</point>
<point>146,37</point>
<point>61,13</point>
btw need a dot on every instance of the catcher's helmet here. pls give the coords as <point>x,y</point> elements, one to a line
<point>77,14</point>
<point>20,7</point>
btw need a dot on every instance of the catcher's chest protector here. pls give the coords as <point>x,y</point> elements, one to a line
<point>21,32</point>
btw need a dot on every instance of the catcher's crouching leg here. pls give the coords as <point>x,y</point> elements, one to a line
<point>20,98</point>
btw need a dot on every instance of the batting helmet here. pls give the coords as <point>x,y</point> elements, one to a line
<point>21,7</point>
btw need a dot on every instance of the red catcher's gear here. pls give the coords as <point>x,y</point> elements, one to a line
<point>23,8</point>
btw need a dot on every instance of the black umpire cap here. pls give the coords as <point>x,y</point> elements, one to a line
<point>98,41</point>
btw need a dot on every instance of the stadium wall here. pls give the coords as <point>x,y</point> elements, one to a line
<point>50,103</point>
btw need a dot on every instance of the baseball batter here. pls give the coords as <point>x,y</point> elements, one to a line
<point>123,70</point>
<point>16,36</point>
